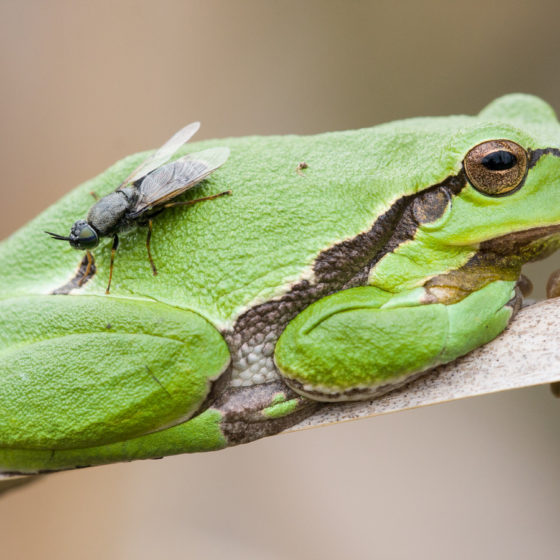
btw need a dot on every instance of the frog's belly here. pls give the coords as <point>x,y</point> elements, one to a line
<point>253,359</point>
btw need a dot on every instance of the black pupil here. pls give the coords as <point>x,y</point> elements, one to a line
<point>499,161</point>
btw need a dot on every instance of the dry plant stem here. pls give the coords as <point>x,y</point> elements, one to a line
<point>526,354</point>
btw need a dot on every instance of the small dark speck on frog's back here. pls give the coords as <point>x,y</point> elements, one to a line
<point>301,165</point>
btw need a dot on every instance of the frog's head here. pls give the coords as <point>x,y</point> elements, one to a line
<point>508,170</point>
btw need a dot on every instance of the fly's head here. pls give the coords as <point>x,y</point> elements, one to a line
<point>82,236</point>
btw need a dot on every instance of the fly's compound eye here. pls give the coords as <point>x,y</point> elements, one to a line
<point>496,167</point>
<point>83,236</point>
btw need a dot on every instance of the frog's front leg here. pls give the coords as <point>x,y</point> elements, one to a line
<point>364,341</point>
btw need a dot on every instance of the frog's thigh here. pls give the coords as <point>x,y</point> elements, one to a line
<point>360,342</point>
<point>77,371</point>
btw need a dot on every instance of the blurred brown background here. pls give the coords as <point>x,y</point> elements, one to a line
<point>85,83</point>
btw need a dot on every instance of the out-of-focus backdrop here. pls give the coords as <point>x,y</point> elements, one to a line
<point>85,83</point>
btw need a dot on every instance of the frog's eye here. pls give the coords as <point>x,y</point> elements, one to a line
<point>496,167</point>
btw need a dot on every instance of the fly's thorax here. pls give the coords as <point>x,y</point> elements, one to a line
<point>106,214</point>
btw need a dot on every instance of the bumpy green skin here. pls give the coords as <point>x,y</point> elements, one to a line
<point>352,177</point>
<point>74,391</point>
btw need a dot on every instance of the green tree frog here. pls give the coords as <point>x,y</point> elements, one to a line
<point>391,250</point>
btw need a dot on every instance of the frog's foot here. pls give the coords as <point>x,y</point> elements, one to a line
<point>553,285</point>
<point>250,413</point>
<point>525,285</point>
<point>362,342</point>
<point>552,291</point>
<point>518,299</point>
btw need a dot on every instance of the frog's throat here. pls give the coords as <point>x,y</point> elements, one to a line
<point>497,259</point>
<point>528,245</point>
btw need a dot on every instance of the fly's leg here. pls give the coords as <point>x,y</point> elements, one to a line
<point>95,195</point>
<point>148,239</point>
<point>113,251</point>
<point>190,202</point>
<point>88,268</point>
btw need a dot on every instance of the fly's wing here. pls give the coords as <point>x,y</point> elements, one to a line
<point>163,154</point>
<point>176,177</point>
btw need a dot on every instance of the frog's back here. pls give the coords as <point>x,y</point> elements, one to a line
<point>219,257</point>
<point>223,256</point>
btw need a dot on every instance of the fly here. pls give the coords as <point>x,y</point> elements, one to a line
<point>146,192</point>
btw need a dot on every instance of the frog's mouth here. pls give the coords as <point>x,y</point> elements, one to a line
<point>530,244</point>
